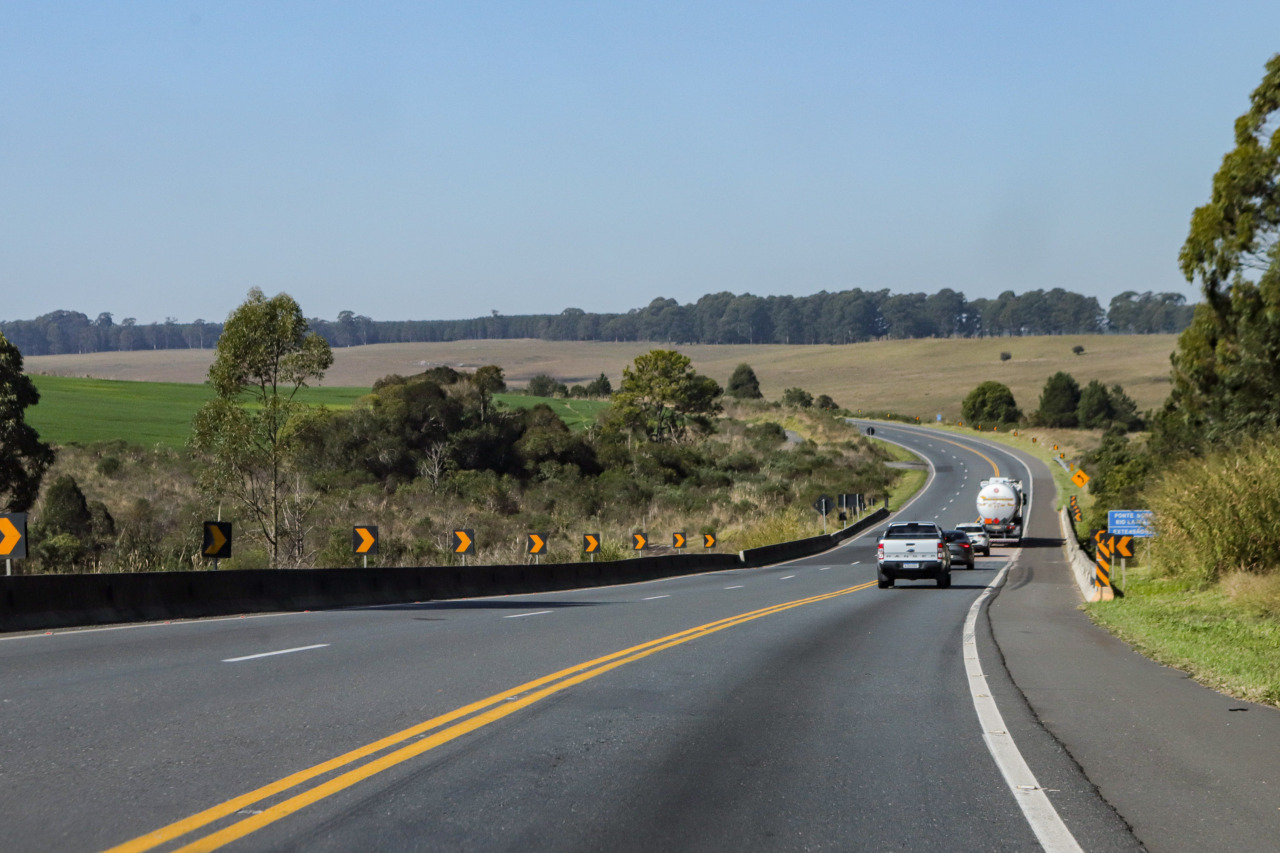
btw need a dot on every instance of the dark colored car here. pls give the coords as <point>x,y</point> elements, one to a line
<point>960,547</point>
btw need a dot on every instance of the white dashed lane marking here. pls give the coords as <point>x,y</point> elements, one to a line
<point>535,613</point>
<point>656,597</point>
<point>281,652</point>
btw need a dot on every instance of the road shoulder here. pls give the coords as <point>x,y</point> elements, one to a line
<point>1188,768</point>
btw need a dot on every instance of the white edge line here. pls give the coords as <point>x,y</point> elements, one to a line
<point>518,615</point>
<point>281,652</point>
<point>787,578</point>
<point>655,597</point>
<point>1044,819</point>
<point>738,586</point>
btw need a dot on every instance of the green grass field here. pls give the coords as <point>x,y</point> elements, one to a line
<point>84,411</point>
<point>578,414</point>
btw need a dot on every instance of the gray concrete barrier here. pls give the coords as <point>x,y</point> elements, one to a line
<point>41,602</point>
<point>784,551</point>
<point>1082,568</point>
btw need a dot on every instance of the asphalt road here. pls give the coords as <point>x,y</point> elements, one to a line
<point>794,707</point>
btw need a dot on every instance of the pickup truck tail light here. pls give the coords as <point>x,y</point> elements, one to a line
<point>942,551</point>
<point>880,552</point>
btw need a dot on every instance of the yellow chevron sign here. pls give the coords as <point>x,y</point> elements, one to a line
<point>638,541</point>
<point>13,535</point>
<point>217,540</point>
<point>537,543</point>
<point>708,540</point>
<point>364,540</point>
<point>677,540</point>
<point>590,543</point>
<point>464,541</point>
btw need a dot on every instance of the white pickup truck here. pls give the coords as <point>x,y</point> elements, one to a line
<point>913,550</point>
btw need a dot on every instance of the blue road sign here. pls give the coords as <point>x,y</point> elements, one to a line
<point>1130,522</point>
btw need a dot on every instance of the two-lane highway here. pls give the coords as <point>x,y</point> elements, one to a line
<point>793,707</point>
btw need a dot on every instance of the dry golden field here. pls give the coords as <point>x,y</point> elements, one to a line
<point>917,377</point>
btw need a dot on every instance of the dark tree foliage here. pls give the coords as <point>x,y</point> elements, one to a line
<point>743,384</point>
<point>416,427</point>
<point>990,403</point>
<point>65,510</point>
<point>844,317</point>
<point>600,387</point>
<point>1226,384</point>
<point>825,402</point>
<point>1059,401</point>
<point>543,385</point>
<point>1134,313</point>
<point>1095,410</point>
<point>23,456</point>
<point>797,397</point>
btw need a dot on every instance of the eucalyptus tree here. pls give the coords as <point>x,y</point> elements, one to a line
<point>248,433</point>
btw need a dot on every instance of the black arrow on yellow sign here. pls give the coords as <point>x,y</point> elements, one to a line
<point>590,543</point>
<point>708,540</point>
<point>537,543</point>
<point>677,540</point>
<point>464,541</point>
<point>217,540</point>
<point>638,541</point>
<point>13,535</point>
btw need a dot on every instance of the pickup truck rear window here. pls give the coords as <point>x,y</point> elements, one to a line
<point>912,531</point>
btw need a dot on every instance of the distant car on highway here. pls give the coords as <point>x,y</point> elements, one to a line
<point>960,547</point>
<point>978,536</point>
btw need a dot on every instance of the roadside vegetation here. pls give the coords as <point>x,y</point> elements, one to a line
<point>295,467</point>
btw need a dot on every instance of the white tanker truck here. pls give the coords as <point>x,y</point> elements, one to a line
<point>1001,504</point>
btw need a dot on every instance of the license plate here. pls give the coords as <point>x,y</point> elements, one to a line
<point>910,565</point>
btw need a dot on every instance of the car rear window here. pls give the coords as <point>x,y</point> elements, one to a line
<point>911,531</point>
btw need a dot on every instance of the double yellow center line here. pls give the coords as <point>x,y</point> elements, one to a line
<point>425,736</point>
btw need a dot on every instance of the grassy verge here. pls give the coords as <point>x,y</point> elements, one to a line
<point>1218,637</point>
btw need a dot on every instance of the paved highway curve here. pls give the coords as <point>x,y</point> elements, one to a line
<point>793,707</point>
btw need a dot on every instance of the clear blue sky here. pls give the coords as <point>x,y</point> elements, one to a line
<point>439,160</point>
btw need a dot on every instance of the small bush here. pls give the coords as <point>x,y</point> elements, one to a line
<point>1005,356</point>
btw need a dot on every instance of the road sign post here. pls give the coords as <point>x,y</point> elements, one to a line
<point>13,539</point>
<point>364,541</point>
<point>217,541</point>
<point>464,543</point>
<point>537,545</point>
<point>824,505</point>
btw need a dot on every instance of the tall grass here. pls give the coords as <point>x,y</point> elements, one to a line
<point>1219,515</point>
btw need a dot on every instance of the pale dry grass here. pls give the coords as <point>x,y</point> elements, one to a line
<point>920,377</point>
<point>1253,593</point>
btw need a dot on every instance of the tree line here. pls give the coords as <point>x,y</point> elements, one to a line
<point>849,316</point>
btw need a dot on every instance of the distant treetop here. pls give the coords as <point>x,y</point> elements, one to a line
<point>849,316</point>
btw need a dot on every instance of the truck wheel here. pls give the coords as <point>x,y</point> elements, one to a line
<point>883,581</point>
<point>944,580</point>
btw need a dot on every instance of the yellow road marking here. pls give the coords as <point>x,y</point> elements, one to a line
<point>506,703</point>
<point>994,466</point>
